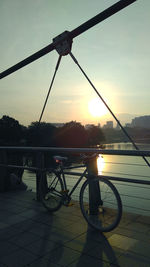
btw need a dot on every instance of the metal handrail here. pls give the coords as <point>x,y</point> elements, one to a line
<point>136,153</point>
<point>76,151</point>
<point>40,168</point>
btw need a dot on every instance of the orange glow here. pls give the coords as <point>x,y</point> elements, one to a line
<point>100,164</point>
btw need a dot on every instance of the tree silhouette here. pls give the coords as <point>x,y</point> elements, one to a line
<point>95,136</point>
<point>72,134</point>
<point>40,134</point>
<point>11,132</point>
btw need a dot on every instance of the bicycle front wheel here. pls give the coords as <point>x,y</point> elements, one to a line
<point>51,191</point>
<point>100,204</point>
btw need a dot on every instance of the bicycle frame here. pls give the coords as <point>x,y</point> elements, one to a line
<point>99,200</point>
<point>77,183</point>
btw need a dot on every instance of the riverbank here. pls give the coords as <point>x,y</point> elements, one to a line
<point>127,146</point>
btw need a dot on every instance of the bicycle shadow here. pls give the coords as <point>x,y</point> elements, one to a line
<point>100,255</point>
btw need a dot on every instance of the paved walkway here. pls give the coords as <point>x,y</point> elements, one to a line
<point>30,236</point>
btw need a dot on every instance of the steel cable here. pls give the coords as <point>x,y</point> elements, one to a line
<point>123,129</point>
<point>51,84</point>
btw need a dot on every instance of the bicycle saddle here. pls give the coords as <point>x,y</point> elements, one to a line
<point>59,159</point>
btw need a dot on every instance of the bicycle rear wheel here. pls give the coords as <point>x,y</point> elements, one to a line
<point>103,209</point>
<point>51,188</point>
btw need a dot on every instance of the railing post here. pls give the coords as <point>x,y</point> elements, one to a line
<point>94,189</point>
<point>3,172</point>
<point>39,172</point>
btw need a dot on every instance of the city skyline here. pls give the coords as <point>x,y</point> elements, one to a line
<point>115,55</point>
<point>140,121</point>
<point>114,124</point>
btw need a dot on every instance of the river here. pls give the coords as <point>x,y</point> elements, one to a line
<point>135,197</point>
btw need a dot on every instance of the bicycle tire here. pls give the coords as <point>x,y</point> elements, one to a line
<point>108,205</point>
<point>51,188</point>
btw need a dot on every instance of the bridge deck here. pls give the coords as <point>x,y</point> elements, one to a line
<point>30,236</point>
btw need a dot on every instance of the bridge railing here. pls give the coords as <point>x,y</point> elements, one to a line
<point>130,185</point>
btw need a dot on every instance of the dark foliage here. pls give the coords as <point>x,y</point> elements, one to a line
<point>137,134</point>
<point>41,134</point>
<point>95,136</point>
<point>11,132</point>
<point>72,134</point>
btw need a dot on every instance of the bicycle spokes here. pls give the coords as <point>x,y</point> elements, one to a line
<point>105,214</point>
<point>52,197</point>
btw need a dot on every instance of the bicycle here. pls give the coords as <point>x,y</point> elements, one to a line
<point>99,199</point>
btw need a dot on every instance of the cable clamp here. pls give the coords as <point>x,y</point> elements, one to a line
<point>63,43</point>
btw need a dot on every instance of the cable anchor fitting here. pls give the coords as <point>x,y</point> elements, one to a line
<point>63,43</point>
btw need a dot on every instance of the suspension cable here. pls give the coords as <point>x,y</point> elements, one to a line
<point>51,84</point>
<point>74,33</point>
<point>121,126</point>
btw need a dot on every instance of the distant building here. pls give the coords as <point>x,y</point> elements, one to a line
<point>88,126</point>
<point>143,122</point>
<point>108,125</point>
<point>58,124</point>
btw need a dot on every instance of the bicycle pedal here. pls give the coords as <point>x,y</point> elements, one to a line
<point>101,210</point>
<point>64,191</point>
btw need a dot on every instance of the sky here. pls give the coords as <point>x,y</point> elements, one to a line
<point>114,54</point>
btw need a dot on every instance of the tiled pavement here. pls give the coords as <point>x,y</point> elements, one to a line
<point>30,236</point>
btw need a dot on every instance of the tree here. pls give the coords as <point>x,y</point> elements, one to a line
<point>113,135</point>
<point>11,132</point>
<point>72,134</point>
<point>40,134</point>
<point>95,136</point>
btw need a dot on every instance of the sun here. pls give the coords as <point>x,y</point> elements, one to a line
<point>96,107</point>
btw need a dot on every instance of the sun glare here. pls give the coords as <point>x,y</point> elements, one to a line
<point>100,164</point>
<point>96,107</point>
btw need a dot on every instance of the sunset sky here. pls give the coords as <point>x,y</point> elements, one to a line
<point>115,54</point>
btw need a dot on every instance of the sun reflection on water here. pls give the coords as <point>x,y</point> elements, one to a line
<point>100,164</point>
